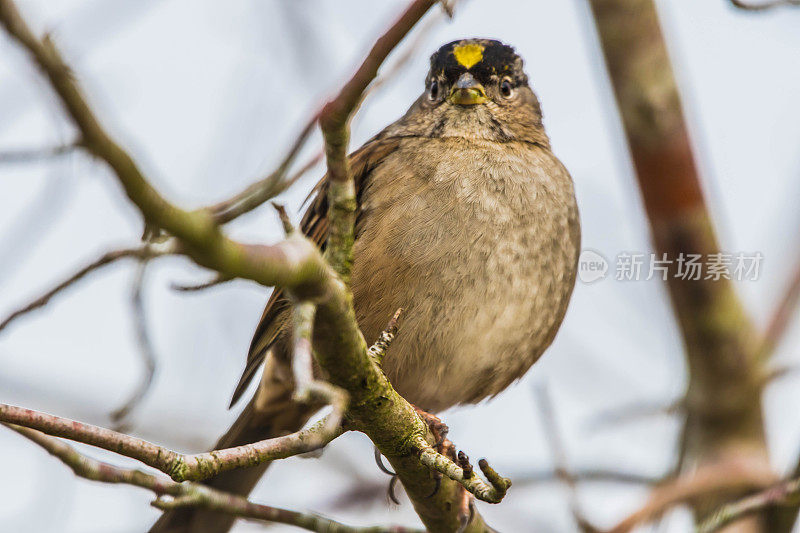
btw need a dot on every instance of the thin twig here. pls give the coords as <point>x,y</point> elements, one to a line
<point>189,494</point>
<point>31,155</point>
<point>269,187</point>
<point>764,6</point>
<point>142,252</point>
<point>217,280</point>
<point>635,411</point>
<point>379,348</point>
<point>492,492</point>
<point>180,467</point>
<point>146,351</point>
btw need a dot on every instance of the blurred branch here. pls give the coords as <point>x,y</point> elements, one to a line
<point>146,351</point>
<point>747,6</point>
<point>189,494</point>
<point>142,253</point>
<point>37,154</point>
<point>269,187</point>
<point>786,308</point>
<point>726,369</point>
<point>705,482</point>
<point>558,450</point>
<point>584,475</point>
<point>180,467</point>
<point>636,411</point>
<point>785,493</point>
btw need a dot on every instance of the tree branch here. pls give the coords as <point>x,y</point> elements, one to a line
<point>180,467</point>
<point>292,264</point>
<point>37,154</point>
<point>269,187</point>
<point>189,494</point>
<point>146,351</point>
<point>781,494</point>
<point>712,480</point>
<point>726,370</point>
<point>141,253</point>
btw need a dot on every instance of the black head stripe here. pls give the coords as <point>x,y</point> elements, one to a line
<point>483,58</point>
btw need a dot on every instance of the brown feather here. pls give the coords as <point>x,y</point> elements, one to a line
<point>314,226</point>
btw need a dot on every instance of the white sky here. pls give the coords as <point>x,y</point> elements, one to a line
<point>207,98</point>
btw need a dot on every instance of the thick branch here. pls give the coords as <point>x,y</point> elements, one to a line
<point>291,264</point>
<point>723,406</point>
<point>179,467</point>
<point>189,494</point>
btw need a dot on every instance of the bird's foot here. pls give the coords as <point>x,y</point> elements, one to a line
<point>439,430</point>
<point>466,509</point>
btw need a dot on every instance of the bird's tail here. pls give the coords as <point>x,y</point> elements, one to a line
<point>271,413</point>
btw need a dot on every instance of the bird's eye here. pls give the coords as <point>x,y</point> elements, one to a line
<point>433,91</point>
<point>506,88</point>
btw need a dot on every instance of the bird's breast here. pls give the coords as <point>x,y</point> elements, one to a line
<point>478,242</point>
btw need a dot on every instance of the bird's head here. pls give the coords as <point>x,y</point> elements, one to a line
<point>477,88</point>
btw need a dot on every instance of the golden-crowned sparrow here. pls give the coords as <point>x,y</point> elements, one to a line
<point>466,220</point>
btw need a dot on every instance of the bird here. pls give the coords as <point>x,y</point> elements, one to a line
<point>466,220</point>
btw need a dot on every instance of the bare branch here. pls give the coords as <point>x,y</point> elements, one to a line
<point>146,351</point>
<point>143,252</point>
<point>765,5</point>
<point>180,467</point>
<point>707,481</point>
<point>307,389</point>
<point>37,154</point>
<point>334,119</point>
<point>217,280</point>
<point>780,494</point>
<point>189,494</point>
<point>289,263</point>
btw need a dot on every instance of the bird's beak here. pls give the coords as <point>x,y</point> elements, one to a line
<point>467,91</point>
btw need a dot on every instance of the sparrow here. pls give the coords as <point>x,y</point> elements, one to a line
<point>466,220</point>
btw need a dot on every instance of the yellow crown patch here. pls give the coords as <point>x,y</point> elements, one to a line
<point>468,55</point>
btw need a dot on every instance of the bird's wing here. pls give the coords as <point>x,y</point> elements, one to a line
<point>315,226</point>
